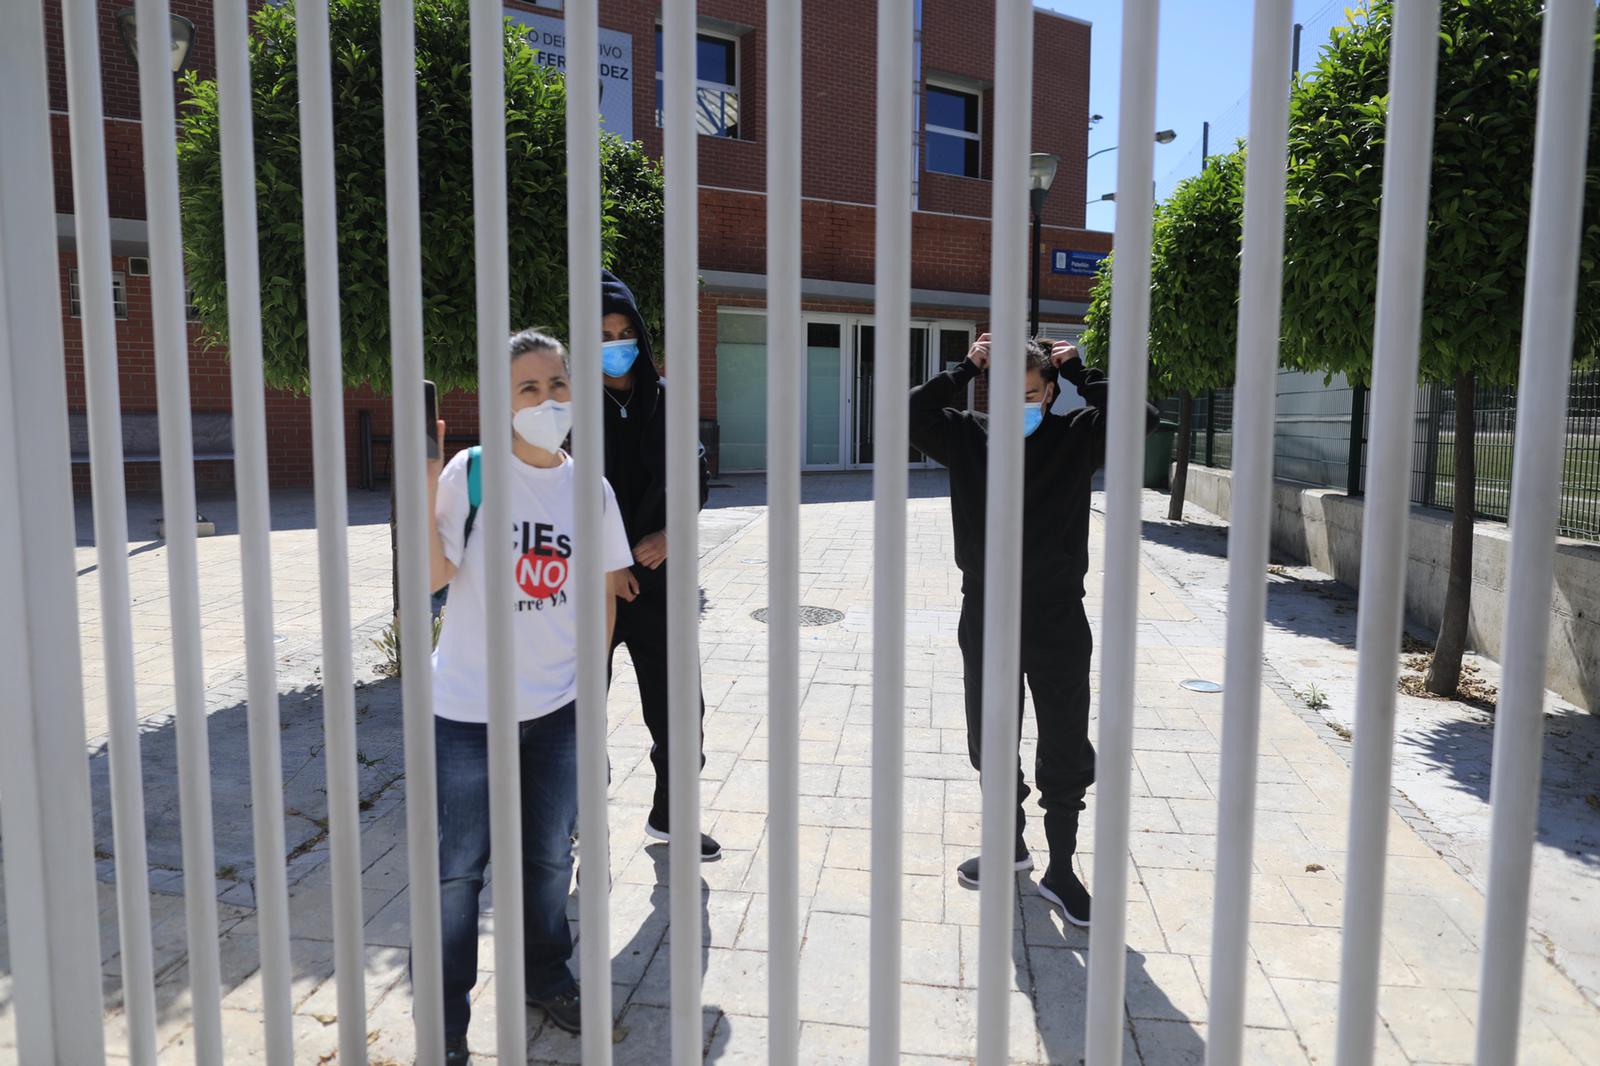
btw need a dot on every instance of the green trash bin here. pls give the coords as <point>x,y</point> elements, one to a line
<point>1158,455</point>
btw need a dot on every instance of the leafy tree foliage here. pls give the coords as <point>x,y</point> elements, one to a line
<point>536,195</point>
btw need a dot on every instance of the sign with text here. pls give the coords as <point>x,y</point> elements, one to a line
<point>1078,264</point>
<point>548,36</point>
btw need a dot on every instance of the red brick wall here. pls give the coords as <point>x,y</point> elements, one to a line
<point>950,234</point>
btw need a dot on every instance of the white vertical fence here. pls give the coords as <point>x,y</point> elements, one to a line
<point>891,439</point>
<point>785,339</point>
<point>1130,288</point>
<point>1260,289</point>
<point>1566,70</point>
<point>51,905</point>
<point>1408,145</point>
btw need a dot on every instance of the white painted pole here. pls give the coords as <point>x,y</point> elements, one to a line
<point>890,445</point>
<point>178,513</point>
<point>315,61</point>
<point>1002,578</point>
<point>588,437</point>
<point>785,368</point>
<point>51,902</point>
<point>683,506</point>
<point>411,520</point>
<point>91,211</point>
<point>494,428</point>
<point>1125,433</point>
<point>1254,397</point>
<point>1407,159</point>
<point>255,524</point>
<point>1566,68</point>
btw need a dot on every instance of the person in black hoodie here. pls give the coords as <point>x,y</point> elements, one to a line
<point>636,468</point>
<point>1059,460</point>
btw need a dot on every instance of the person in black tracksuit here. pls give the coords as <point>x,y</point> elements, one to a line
<point>1060,457</point>
<point>636,467</point>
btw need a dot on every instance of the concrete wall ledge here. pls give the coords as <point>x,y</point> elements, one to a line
<point>1322,527</point>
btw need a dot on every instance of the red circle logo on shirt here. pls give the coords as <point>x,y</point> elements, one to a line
<point>541,574</point>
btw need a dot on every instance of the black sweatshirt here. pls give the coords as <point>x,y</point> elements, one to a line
<point>636,437</point>
<point>1059,461</point>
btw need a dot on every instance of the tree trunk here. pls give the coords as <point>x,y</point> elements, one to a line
<point>1444,673</point>
<point>1180,475</point>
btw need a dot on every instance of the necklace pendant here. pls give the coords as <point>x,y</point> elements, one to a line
<point>624,412</point>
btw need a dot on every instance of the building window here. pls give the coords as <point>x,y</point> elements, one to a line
<point>953,135</point>
<point>716,84</point>
<point>119,294</point>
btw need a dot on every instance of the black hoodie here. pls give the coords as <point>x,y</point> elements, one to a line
<point>1059,461</point>
<point>636,434</point>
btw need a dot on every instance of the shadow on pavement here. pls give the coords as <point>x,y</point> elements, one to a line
<point>291,509</point>
<point>1053,967</point>
<point>380,762</point>
<point>1569,796</point>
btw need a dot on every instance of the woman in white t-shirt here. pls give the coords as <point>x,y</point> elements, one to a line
<point>538,558</point>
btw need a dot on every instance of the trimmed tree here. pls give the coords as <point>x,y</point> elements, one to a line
<point>1477,229</point>
<point>536,196</point>
<point>1194,287</point>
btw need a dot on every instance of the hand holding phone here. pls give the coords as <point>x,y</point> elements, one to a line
<point>431,424</point>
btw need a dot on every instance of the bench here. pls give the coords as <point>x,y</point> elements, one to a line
<point>212,434</point>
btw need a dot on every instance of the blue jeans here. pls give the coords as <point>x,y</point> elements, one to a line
<point>549,760</point>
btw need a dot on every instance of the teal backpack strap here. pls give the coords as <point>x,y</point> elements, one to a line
<point>474,489</point>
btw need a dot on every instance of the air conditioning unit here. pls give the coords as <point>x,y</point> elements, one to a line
<point>139,266</point>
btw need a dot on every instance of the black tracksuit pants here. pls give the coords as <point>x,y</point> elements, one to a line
<point>642,626</point>
<point>1056,643</point>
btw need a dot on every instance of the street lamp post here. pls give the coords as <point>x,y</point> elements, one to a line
<point>182,37</point>
<point>1041,172</point>
<point>1162,137</point>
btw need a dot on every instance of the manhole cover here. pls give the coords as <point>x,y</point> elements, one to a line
<point>809,616</point>
<point>1195,684</point>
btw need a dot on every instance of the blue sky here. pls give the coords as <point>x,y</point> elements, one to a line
<point>1202,73</point>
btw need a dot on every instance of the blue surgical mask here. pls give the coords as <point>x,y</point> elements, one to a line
<point>618,357</point>
<point>1032,416</point>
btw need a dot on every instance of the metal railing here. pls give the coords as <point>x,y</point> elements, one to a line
<point>51,903</point>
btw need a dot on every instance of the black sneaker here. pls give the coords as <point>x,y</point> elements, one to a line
<point>455,1051</point>
<point>562,1010</point>
<point>1065,891</point>
<point>656,829</point>
<point>967,872</point>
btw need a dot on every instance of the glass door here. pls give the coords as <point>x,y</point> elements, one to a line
<point>823,401</point>
<point>862,385</point>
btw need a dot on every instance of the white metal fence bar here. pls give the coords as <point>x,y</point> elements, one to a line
<point>51,903</point>
<point>786,345</point>
<point>1407,159</point>
<point>91,211</point>
<point>681,142</point>
<point>1130,325</point>
<point>1260,294</point>
<point>588,436</point>
<point>494,429</point>
<point>411,519</point>
<point>255,525</point>
<point>315,63</point>
<point>1566,68</point>
<point>890,442</point>
<point>178,514</point>
<point>1011,246</point>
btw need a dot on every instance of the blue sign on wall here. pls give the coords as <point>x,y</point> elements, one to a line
<point>1080,264</point>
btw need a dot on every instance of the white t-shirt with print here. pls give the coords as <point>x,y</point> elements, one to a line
<point>538,557</point>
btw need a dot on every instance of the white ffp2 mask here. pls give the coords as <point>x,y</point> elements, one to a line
<point>544,425</point>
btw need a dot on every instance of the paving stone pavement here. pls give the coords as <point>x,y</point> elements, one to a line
<point>1434,900</point>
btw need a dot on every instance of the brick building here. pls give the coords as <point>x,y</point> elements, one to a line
<point>950,231</point>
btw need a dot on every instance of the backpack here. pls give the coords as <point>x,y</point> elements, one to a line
<point>474,490</point>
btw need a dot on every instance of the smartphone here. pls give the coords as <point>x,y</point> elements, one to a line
<point>430,404</point>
